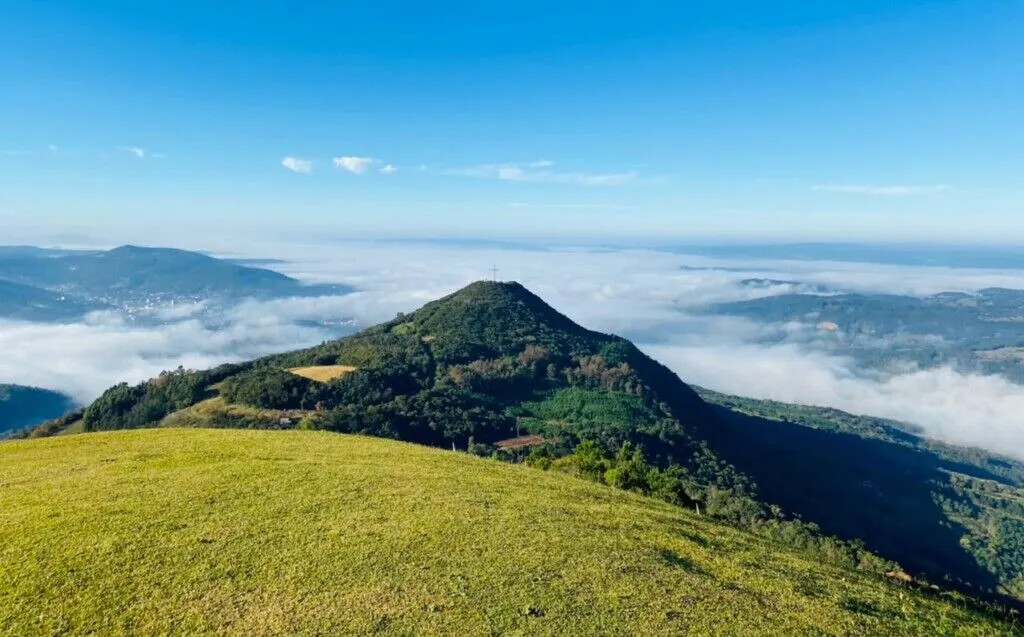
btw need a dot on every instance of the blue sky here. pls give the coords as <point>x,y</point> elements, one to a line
<point>729,120</point>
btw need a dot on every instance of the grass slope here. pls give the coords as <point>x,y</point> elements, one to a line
<point>256,532</point>
<point>323,373</point>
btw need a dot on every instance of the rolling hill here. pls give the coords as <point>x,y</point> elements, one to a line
<point>239,532</point>
<point>22,407</point>
<point>493,370</point>
<point>132,276</point>
<point>980,332</point>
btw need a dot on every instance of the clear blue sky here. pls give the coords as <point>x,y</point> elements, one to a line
<point>796,120</point>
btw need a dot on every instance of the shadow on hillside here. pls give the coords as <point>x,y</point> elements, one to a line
<point>877,491</point>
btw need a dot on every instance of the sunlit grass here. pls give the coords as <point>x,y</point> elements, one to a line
<point>175,531</point>
<point>323,373</point>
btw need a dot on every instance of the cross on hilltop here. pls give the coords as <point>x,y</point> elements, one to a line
<point>494,273</point>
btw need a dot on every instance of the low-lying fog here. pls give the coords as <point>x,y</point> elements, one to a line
<point>650,297</point>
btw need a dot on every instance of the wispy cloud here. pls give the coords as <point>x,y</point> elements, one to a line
<point>388,169</point>
<point>297,165</point>
<point>899,190</point>
<point>135,150</point>
<point>353,164</point>
<point>52,148</point>
<point>567,206</point>
<point>538,172</point>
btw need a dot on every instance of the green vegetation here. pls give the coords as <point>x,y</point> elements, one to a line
<point>493,362</point>
<point>949,513</point>
<point>245,532</point>
<point>22,407</point>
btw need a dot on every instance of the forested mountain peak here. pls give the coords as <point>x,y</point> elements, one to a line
<point>496,318</point>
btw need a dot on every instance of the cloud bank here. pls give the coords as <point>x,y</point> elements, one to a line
<point>654,298</point>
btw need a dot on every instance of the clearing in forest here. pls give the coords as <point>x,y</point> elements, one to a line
<point>323,373</point>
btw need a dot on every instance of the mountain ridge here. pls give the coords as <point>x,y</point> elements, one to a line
<point>63,286</point>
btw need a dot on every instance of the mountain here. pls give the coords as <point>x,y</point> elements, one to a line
<point>493,370</point>
<point>22,407</point>
<point>131,277</point>
<point>27,303</point>
<point>256,532</point>
<point>484,363</point>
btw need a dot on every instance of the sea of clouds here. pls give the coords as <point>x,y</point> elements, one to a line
<point>654,298</point>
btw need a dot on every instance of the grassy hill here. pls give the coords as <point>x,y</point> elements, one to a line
<point>255,532</point>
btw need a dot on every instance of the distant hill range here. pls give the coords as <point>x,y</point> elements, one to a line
<point>493,370</point>
<point>982,331</point>
<point>22,407</point>
<point>56,285</point>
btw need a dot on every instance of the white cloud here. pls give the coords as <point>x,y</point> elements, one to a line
<point>537,172</point>
<point>885,191</point>
<point>135,150</point>
<point>86,358</point>
<point>568,206</point>
<point>52,148</point>
<point>297,165</point>
<point>354,165</point>
<point>388,169</point>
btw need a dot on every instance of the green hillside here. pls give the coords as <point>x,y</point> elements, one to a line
<point>934,507</point>
<point>182,531</point>
<point>22,406</point>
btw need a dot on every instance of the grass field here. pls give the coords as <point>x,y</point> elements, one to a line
<point>323,373</point>
<point>182,531</point>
